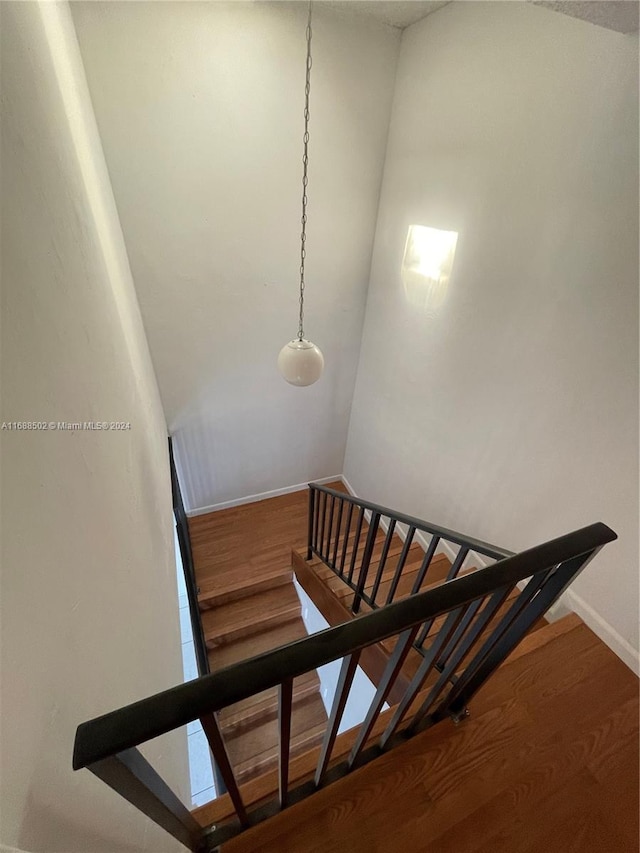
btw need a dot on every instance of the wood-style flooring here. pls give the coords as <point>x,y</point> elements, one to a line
<point>546,763</point>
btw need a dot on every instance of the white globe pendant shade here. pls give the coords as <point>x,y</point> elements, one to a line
<point>300,362</point>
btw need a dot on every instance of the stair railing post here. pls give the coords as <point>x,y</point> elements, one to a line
<point>131,776</point>
<point>366,561</point>
<point>312,505</point>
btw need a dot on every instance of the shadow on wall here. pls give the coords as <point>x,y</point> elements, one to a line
<point>63,833</point>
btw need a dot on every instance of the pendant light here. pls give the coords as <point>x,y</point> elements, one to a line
<point>300,361</point>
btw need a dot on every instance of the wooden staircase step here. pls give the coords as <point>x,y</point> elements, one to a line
<point>439,568</point>
<point>436,574</point>
<point>264,706</point>
<point>232,586</point>
<point>255,750</point>
<point>214,569</point>
<point>250,615</point>
<point>256,644</point>
<point>395,547</point>
<point>407,579</point>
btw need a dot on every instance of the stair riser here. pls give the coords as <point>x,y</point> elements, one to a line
<point>248,630</point>
<point>235,725</point>
<point>263,765</point>
<point>209,600</point>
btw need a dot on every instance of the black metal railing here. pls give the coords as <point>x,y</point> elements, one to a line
<point>344,532</point>
<point>188,568</point>
<point>186,556</point>
<point>481,617</point>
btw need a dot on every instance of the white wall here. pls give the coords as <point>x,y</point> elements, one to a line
<point>512,414</point>
<point>89,608</point>
<point>200,111</point>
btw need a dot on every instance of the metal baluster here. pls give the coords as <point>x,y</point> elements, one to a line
<point>345,680</point>
<point>310,526</point>
<point>461,556</point>
<point>356,543</point>
<point>330,527</point>
<point>456,651</point>
<point>450,625</point>
<point>493,605</point>
<point>285,701</point>
<point>502,642</point>
<point>324,513</point>
<point>383,559</point>
<point>401,562</point>
<point>218,748</point>
<point>316,520</point>
<point>131,776</point>
<point>394,665</point>
<point>346,538</point>
<point>428,557</point>
<point>518,605</point>
<point>338,526</point>
<point>453,573</point>
<point>366,561</point>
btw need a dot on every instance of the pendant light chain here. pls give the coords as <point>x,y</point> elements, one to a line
<point>305,179</point>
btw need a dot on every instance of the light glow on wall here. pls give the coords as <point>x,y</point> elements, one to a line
<point>427,265</point>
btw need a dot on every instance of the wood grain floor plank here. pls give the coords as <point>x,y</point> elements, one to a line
<point>519,776</point>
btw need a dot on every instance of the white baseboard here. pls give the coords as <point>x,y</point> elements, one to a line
<point>348,486</point>
<point>263,496</point>
<point>609,636</point>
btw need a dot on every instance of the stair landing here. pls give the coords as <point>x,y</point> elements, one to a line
<point>547,761</point>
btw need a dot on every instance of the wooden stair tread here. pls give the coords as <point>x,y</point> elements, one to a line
<point>438,570</point>
<point>250,615</point>
<point>412,565</point>
<point>264,706</point>
<point>255,750</point>
<point>232,586</point>
<point>247,647</point>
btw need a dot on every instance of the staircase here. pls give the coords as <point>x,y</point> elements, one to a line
<point>439,633</point>
<point>248,606</point>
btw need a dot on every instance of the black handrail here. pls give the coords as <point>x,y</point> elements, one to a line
<point>469,542</point>
<point>186,555</point>
<point>156,715</point>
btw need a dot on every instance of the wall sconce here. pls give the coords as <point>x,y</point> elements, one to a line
<point>427,265</point>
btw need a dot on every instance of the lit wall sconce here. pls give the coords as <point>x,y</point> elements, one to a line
<point>427,265</point>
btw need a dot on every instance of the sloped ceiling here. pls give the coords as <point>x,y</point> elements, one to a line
<point>618,15</point>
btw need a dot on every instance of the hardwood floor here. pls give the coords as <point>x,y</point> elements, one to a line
<point>546,763</point>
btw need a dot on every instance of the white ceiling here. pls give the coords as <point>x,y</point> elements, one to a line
<point>396,13</point>
<point>619,15</point>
